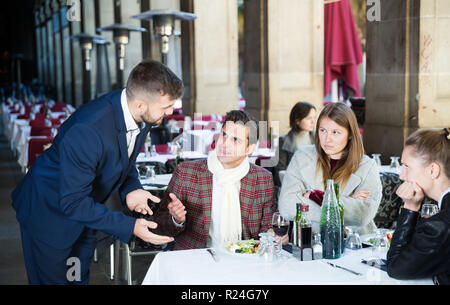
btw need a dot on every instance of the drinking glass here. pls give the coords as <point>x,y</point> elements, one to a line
<point>150,172</point>
<point>266,248</point>
<point>54,132</point>
<point>280,226</point>
<point>147,149</point>
<point>153,150</point>
<point>353,241</point>
<point>395,165</point>
<point>428,210</point>
<point>380,246</point>
<point>377,159</point>
<point>142,171</point>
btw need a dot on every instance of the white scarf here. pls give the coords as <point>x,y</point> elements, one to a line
<point>229,205</point>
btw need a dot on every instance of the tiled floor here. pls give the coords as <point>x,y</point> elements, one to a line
<point>12,267</point>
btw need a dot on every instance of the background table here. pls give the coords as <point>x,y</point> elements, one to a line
<point>160,183</point>
<point>197,267</point>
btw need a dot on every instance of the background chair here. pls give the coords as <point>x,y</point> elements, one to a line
<point>390,204</point>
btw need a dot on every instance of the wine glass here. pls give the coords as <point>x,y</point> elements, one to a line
<point>395,165</point>
<point>380,246</point>
<point>280,226</point>
<point>377,159</point>
<point>353,241</point>
<point>428,210</point>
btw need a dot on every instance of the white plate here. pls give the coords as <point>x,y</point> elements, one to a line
<point>365,239</point>
<point>232,252</point>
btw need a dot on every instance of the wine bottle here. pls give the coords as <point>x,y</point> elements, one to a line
<point>305,232</point>
<point>296,226</point>
<point>330,224</point>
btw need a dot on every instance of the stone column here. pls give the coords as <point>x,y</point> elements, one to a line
<point>57,52</point>
<point>283,57</point>
<point>106,8</point>
<point>216,56</point>
<point>407,73</point>
<point>89,28</point>
<point>39,49</point>
<point>295,57</point>
<point>76,64</point>
<point>133,50</point>
<point>50,47</point>
<point>434,64</point>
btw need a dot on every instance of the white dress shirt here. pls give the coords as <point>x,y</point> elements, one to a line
<point>131,126</point>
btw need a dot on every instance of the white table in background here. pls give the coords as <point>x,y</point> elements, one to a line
<point>197,267</point>
<point>163,158</point>
<point>162,180</point>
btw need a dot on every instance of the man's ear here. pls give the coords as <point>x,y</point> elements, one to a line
<point>250,149</point>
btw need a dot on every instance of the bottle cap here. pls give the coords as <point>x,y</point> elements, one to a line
<point>305,208</point>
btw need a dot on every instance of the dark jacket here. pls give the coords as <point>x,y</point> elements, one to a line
<point>420,248</point>
<point>65,189</point>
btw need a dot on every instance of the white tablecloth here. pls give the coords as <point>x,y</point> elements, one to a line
<point>197,267</point>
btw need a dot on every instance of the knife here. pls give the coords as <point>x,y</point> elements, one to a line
<point>374,263</point>
<point>343,268</point>
<point>155,185</point>
<point>213,254</point>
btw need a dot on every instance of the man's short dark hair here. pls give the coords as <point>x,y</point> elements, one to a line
<point>151,77</point>
<point>244,118</point>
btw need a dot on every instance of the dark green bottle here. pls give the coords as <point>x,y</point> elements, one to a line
<point>296,225</point>
<point>330,224</point>
<point>341,212</point>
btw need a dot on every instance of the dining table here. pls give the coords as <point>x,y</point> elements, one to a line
<point>199,267</point>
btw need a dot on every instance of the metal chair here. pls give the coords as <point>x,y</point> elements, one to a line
<point>131,250</point>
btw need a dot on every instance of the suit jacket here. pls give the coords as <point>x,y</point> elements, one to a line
<point>64,190</point>
<point>192,184</point>
<point>421,247</point>
<point>301,176</point>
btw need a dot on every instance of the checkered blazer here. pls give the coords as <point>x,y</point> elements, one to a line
<point>192,184</point>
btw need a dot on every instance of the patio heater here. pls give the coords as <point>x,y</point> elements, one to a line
<point>86,42</point>
<point>103,80</point>
<point>163,26</point>
<point>121,36</point>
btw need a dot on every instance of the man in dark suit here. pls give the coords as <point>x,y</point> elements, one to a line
<point>60,202</point>
<point>221,199</point>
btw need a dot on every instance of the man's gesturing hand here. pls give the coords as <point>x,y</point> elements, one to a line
<point>137,201</point>
<point>176,209</point>
<point>141,230</point>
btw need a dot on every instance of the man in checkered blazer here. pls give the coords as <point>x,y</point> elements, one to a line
<point>225,197</point>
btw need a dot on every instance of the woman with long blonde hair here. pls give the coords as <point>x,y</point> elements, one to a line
<point>337,154</point>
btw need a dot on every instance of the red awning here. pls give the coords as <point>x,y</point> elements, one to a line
<point>342,47</point>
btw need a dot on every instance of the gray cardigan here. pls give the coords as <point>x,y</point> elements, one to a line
<point>300,177</point>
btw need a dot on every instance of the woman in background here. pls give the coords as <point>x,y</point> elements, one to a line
<point>302,120</point>
<point>421,247</point>
<point>338,154</point>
